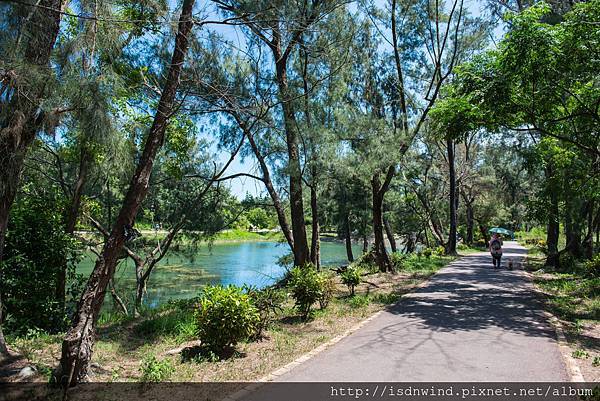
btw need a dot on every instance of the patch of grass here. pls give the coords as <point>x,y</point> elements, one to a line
<point>169,321</point>
<point>580,354</point>
<point>571,296</point>
<point>359,301</point>
<point>243,235</point>
<point>155,370</point>
<point>386,298</point>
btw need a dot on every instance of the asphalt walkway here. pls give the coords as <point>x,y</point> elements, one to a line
<point>469,323</point>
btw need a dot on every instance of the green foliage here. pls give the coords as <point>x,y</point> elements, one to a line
<point>427,252</point>
<point>328,290</point>
<point>174,319</point>
<point>580,354</point>
<point>592,267</point>
<point>440,251</point>
<point>307,287</point>
<point>359,301</point>
<point>154,370</point>
<point>351,277</point>
<point>397,259</point>
<point>567,262</point>
<point>36,249</point>
<point>269,302</point>
<point>366,262</point>
<point>225,316</point>
<point>259,218</point>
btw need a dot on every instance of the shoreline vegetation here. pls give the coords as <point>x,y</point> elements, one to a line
<point>159,345</point>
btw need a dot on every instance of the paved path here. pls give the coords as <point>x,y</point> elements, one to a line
<point>470,323</point>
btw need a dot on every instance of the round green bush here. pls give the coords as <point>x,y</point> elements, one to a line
<point>427,252</point>
<point>351,278</point>
<point>307,286</point>
<point>225,316</point>
<point>440,251</point>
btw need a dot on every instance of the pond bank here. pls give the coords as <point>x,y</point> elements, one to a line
<point>122,350</point>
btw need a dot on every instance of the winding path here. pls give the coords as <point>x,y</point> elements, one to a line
<point>469,323</point>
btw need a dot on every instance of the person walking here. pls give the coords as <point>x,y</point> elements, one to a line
<point>495,245</point>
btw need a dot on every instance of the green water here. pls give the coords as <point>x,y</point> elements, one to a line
<point>178,276</point>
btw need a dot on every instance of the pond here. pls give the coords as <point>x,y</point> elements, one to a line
<point>182,276</point>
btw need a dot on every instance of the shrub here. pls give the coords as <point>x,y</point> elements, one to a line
<point>307,287</point>
<point>542,246</point>
<point>427,252</point>
<point>154,370</point>
<point>36,250</point>
<point>397,260</point>
<point>268,301</point>
<point>328,291</point>
<point>592,267</point>
<point>440,251</point>
<point>351,278</point>
<point>225,316</point>
<point>366,262</point>
<point>566,262</point>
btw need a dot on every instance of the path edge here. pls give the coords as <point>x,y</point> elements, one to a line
<point>563,345</point>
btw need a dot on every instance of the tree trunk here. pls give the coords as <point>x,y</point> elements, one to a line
<point>315,243</point>
<point>77,347</point>
<point>381,256</point>
<point>470,222</point>
<point>451,244</point>
<point>588,243</point>
<point>71,218</point>
<point>411,240</point>
<point>266,179</point>
<point>348,237</point>
<point>390,235</point>
<point>573,227</point>
<point>365,244</point>
<point>117,299</point>
<point>301,251</point>
<point>23,113</point>
<point>553,229</point>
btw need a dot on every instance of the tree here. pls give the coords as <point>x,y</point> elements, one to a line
<point>23,87</point>
<point>78,344</point>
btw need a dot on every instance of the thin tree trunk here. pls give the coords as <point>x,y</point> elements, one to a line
<point>315,243</point>
<point>390,235</point>
<point>71,220</point>
<point>77,347</point>
<point>588,243</point>
<point>348,237</point>
<point>470,220</point>
<point>118,299</point>
<point>381,256</point>
<point>553,231</point>
<point>24,114</point>
<point>451,244</point>
<point>365,244</point>
<point>301,251</point>
<point>266,179</point>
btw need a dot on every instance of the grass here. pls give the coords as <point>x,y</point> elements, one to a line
<point>148,348</point>
<point>575,299</point>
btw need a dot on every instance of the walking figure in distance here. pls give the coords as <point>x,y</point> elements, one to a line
<point>496,250</point>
